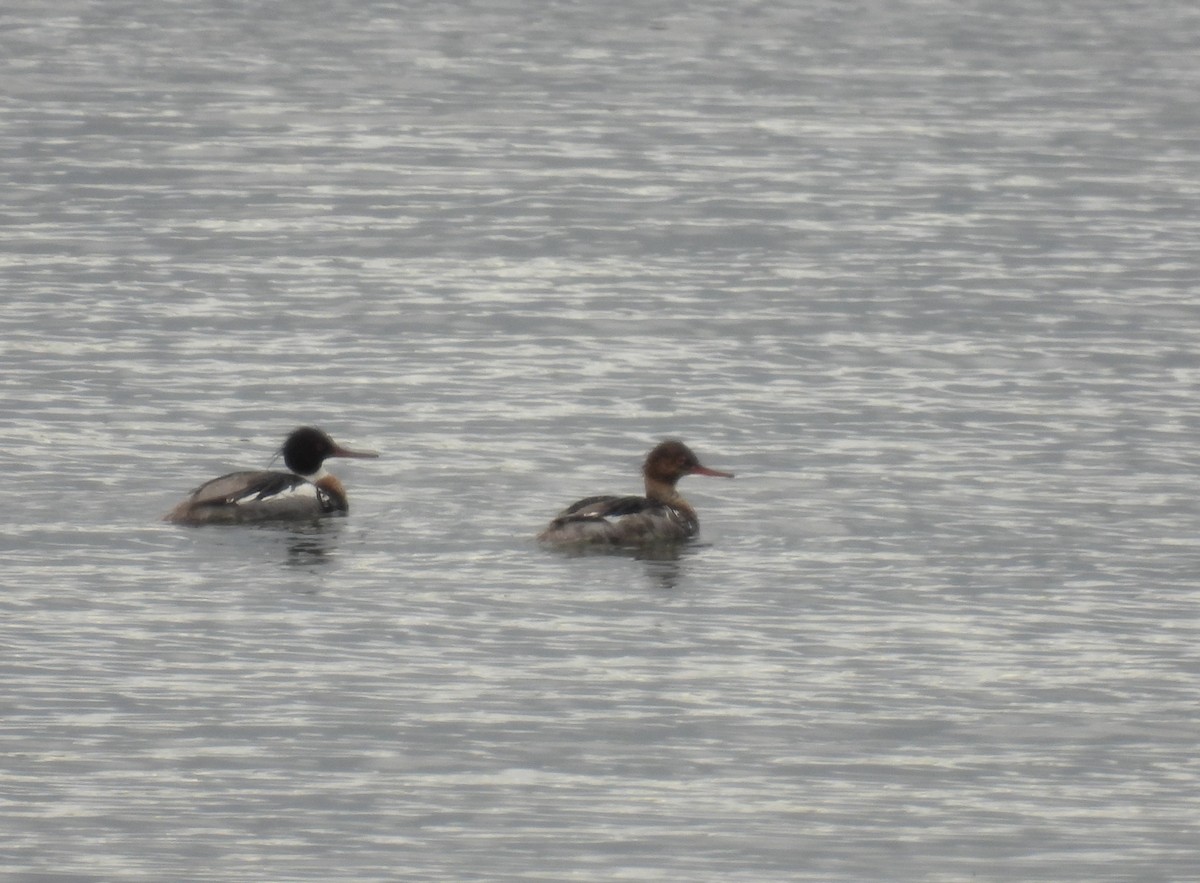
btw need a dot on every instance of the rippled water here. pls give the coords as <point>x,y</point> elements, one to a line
<point>923,275</point>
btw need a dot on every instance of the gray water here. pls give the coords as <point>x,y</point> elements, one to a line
<point>923,274</point>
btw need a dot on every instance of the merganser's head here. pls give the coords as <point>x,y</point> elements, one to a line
<point>308,447</point>
<point>672,460</point>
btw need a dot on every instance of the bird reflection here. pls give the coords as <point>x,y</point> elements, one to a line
<point>663,566</point>
<point>311,545</point>
<point>663,562</point>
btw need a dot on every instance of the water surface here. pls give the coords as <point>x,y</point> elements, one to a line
<point>923,276</point>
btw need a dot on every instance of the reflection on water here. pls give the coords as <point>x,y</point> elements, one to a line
<point>664,571</point>
<point>663,562</point>
<point>312,545</point>
<point>304,545</point>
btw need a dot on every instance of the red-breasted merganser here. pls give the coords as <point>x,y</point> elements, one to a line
<point>303,494</point>
<point>662,516</point>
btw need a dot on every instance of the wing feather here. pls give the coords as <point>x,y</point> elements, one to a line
<point>604,507</point>
<point>241,487</point>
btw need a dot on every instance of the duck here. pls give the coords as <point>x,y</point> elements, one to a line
<point>305,493</point>
<point>661,516</point>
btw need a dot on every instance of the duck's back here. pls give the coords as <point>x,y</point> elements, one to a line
<point>240,497</point>
<point>618,521</point>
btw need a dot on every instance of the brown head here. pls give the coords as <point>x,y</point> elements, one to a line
<point>671,461</point>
